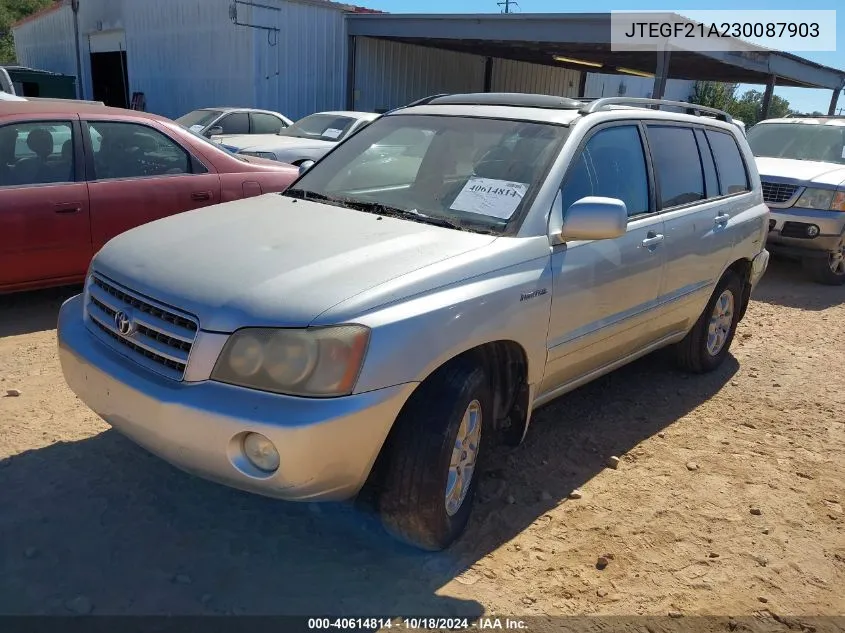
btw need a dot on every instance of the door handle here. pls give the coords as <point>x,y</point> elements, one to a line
<point>653,240</point>
<point>68,208</point>
<point>721,219</point>
<point>201,195</point>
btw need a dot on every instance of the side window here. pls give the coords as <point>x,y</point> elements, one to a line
<point>677,165</point>
<point>129,150</point>
<point>235,123</point>
<point>36,153</point>
<point>265,123</point>
<point>732,173</point>
<point>612,165</point>
<point>711,181</point>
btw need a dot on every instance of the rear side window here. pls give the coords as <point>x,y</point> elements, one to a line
<point>36,153</point>
<point>677,166</point>
<point>733,176</point>
<point>265,123</point>
<point>611,165</point>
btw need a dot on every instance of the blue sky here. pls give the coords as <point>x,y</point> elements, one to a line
<point>799,98</point>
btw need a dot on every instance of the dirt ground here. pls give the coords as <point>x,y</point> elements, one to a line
<point>727,499</point>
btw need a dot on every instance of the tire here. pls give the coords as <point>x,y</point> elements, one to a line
<point>693,353</point>
<point>412,503</point>
<point>829,270</point>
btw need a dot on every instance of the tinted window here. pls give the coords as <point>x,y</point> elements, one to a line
<point>237,123</point>
<point>127,150</point>
<point>677,166</point>
<point>36,153</point>
<point>711,181</point>
<point>612,165</point>
<point>266,123</point>
<point>729,163</point>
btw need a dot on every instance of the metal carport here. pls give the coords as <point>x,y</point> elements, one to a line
<point>541,38</point>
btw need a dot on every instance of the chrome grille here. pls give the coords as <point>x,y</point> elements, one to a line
<point>778,193</point>
<point>160,338</point>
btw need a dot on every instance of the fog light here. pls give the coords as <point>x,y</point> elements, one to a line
<point>812,230</point>
<point>261,453</point>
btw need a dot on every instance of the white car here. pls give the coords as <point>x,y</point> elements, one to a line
<point>310,138</point>
<point>5,96</point>
<point>218,123</point>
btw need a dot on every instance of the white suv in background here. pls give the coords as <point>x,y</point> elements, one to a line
<point>802,165</point>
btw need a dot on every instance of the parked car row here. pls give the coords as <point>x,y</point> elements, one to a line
<point>416,293</point>
<point>75,175</point>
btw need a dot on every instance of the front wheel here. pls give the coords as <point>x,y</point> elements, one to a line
<point>706,345</point>
<point>432,466</point>
<point>829,270</point>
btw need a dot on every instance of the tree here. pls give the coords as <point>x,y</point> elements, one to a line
<point>748,108</point>
<point>10,12</point>
<point>713,94</point>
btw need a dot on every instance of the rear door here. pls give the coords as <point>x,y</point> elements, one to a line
<point>44,208</point>
<point>697,202</point>
<point>139,174</point>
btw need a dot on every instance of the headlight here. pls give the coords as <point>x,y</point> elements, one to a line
<point>317,362</point>
<point>822,199</point>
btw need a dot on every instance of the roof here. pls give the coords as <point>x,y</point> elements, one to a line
<point>833,121</point>
<point>39,14</point>
<point>540,37</point>
<point>350,113</point>
<point>69,106</point>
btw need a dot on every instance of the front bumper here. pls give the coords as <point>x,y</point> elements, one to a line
<point>327,446</point>
<point>787,237</point>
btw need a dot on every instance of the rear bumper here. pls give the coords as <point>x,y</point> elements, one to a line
<point>759,265</point>
<point>327,446</point>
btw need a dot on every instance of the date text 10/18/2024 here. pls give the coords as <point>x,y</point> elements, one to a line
<point>421,624</point>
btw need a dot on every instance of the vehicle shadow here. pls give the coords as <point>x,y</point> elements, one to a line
<point>34,311</point>
<point>786,284</point>
<point>104,520</point>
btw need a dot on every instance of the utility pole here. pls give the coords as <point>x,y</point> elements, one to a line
<point>507,5</point>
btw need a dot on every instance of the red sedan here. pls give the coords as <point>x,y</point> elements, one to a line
<point>73,176</point>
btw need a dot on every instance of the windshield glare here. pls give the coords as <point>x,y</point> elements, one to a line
<point>799,141</point>
<point>473,172</point>
<point>324,127</point>
<point>198,117</point>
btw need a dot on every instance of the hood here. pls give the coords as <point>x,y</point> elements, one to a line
<point>271,142</point>
<point>272,260</point>
<point>801,171</point>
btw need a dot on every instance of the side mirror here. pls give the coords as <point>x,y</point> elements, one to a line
<point>217,130</point>
<point>595,218</point>
<point>305,166</point>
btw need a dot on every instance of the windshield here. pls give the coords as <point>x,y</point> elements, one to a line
<point>198,119</point>
<point>799,141</point>
<point>323,127</point>
<point>470,173</point>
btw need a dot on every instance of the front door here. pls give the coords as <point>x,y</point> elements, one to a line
<point>44,211</point>
<point>139,174</point>
<point>605,291</point>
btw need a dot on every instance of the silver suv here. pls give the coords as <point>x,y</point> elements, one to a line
<point>802,166</point>
<point>393,314</point>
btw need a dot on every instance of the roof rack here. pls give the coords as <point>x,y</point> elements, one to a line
<point>688,108</point>
<point>507,99</point>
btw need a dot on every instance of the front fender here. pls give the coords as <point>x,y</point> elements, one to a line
<point>412,338</point>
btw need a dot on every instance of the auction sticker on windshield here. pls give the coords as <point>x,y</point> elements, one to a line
<point>488,196</point>
<point>332,132</point>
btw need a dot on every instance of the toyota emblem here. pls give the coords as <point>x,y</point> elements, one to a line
<point>124,323</point>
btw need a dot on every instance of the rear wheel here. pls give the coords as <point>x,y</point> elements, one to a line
<point>828,270</point>
<point>432,466</point>
<point>706,345</point>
